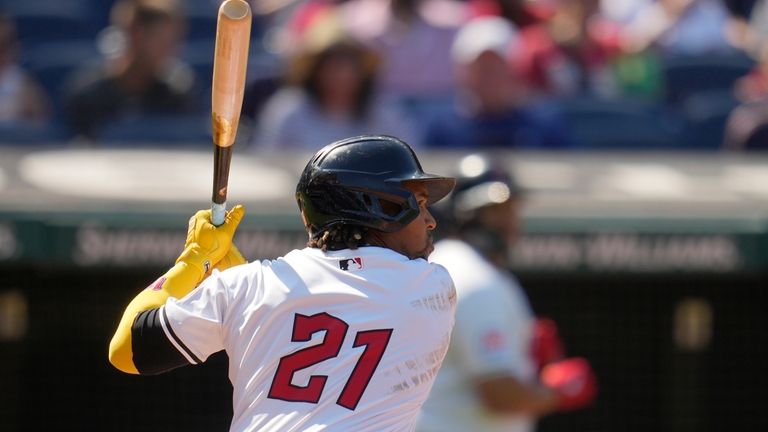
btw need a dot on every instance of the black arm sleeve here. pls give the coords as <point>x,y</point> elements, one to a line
<point>153,352</point>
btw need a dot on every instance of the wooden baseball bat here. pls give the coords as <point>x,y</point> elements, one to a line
<point>233,34</point>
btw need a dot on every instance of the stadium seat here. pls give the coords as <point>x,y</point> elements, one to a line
<point>747,127</point>
<point>201,19</point>
<point>758,139</point>
<point>25,133</point>
<point>170,130</point>
<point>52,64</point>
<point>199,55</point>
<point>685,76</point>
<point>706,114</point>
<point>422,110</point>
<point>47,21</point>
<point>621,124</point>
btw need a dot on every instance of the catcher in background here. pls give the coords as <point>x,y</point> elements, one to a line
<point>344,335</point>
<point>504,367</point>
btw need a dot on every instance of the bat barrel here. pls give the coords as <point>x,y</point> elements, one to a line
<point>233,32</point>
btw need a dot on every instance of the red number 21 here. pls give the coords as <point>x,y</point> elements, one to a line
<point>375,342</point>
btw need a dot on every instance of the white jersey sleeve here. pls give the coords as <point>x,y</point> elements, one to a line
<point>194,323</point>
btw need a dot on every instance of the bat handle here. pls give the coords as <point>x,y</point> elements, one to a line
<point>218,212</point>
<point>222,157</point>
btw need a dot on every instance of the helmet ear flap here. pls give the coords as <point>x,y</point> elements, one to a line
<point>400,211</point>
<point>390,208</point>
<point>391,212</point>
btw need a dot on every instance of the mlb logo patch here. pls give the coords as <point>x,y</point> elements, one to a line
<point>348,264</point>
<point>492,340</point>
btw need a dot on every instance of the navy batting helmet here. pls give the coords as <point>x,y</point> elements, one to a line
<point>347,182</point>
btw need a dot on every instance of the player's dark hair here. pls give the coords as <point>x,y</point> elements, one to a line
<point>339,237</point>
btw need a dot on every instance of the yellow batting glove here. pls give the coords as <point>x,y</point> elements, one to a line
<point>231,259</point>
<point>207,244</point>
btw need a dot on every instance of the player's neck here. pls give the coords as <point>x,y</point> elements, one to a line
<point>388,241</point>
<point>375,238</point>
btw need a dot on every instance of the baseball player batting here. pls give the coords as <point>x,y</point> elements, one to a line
<point>346,334</point>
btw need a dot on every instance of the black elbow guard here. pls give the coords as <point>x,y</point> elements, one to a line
<point>153,352</point>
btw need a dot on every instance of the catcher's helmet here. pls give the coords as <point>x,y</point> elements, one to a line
<point>481,182</point>
<point>347,182</point>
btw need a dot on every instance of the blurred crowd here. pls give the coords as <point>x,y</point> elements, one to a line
<point>446,74</point>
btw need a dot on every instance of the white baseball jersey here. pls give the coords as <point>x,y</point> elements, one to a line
<point>347,340</point>
<point>491,337</point>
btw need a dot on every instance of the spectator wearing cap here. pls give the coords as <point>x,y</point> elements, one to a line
<point>330,93</point>
<point>143,78</point>
<point>494,108</point>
